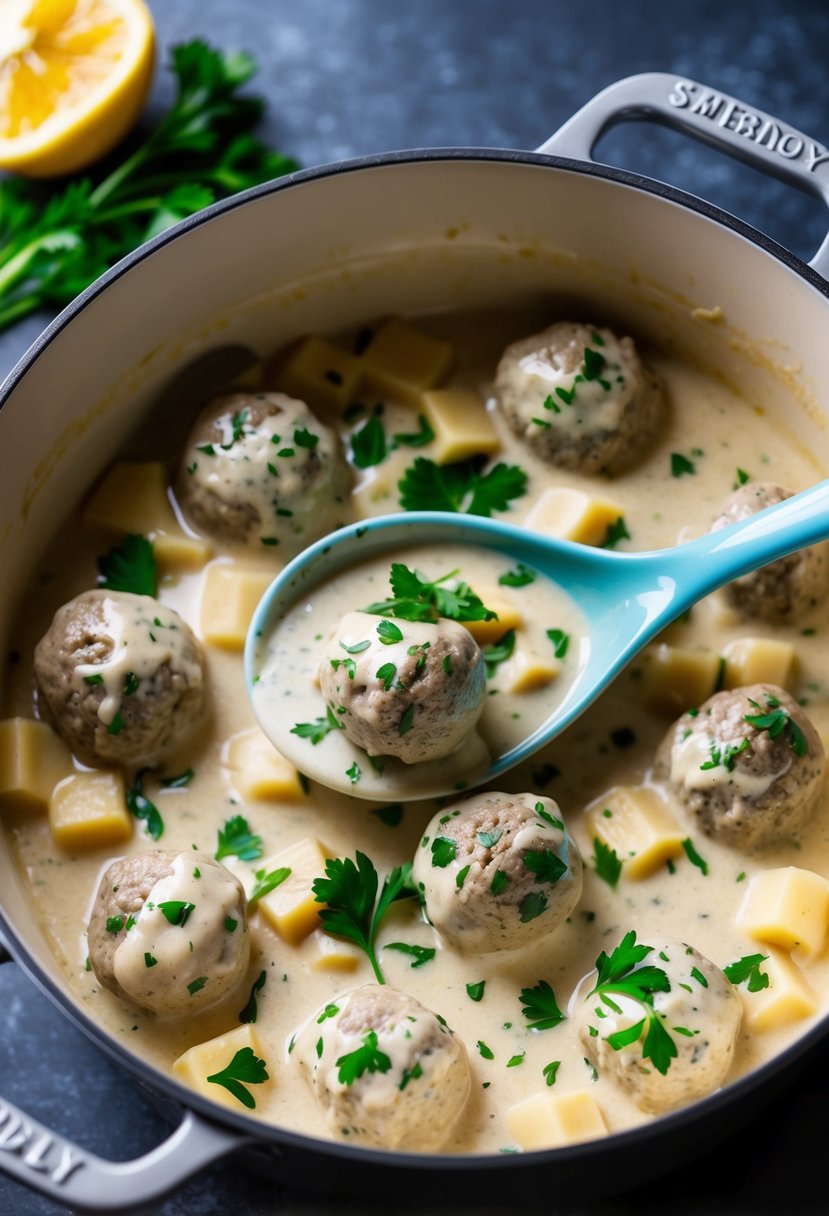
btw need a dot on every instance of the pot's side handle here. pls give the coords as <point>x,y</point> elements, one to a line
<point>56,1167</point>
<point>709,115</point>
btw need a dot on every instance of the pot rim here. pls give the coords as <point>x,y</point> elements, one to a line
<point>268,1135</point>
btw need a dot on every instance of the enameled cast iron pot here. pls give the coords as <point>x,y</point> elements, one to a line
<point>332,247</point>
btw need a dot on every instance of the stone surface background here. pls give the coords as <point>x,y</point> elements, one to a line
<point>344,78</point>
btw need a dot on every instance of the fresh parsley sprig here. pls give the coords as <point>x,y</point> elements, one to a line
<point>130,566</point>
<point>353,909</point>
<point>366,1058</point>
<point>746,970</point>
<point>540,1007</point>
<point>245,1067</point>
<point>415,598</point>
<point>236,839</point>
<point>426,486</point>
<point>620,974</point>
<point>319,728</point>
<point>201,149</point>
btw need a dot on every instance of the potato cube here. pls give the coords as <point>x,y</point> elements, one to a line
<point>89,811</point>
<point>463,427</point>
<point>258,771</point>
<point>526,672</point>
<point>634,822</point>
<point>33,759</point>
<point>133,498</point>
<point>508,617</point>
<point>229,600</point>
<point>674,679</point>
<point>552,1120</point>
<point>402,362</point>
<point>573,515</point>
<point>316,371</point>
<point>786,999</point>
<point>213,1057</point>
<point>758,661</point>
<point>330,954</point>
<point>291,909</point>
<point>788,907</point>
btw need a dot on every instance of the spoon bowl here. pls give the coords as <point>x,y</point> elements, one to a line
<point>626,599</point>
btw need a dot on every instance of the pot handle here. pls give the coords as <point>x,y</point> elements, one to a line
<point>711,116</point>
<point>56,1167</point>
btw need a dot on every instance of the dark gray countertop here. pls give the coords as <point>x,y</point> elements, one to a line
<point>348,77</point>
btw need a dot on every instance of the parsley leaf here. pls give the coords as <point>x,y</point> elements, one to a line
<point>420,954</point>
<point>620,973</point>
<point>414,598</point>
<point>776,721</point>
<point>353,909</point>
<point>693,856</point>
<point>177,911</point>
<point>546,865</point>
<point>250,1011</point>
<point>605,862</point>
<point>426,486</point>
<point>498,652</point>
<point>560,640</point>
<point>368,1058</point>
<point>549,1071</point>
<point>267,881</point>
<point>681,464</point>
<point>540,1007</point>
<point>319,728</point>
<point>244,1067</point>
<point>129,566</point>
<point>368,444</point>
<point>416,439</point>
<point>521,576</point>
<point>747,971</point>
<point>237,840</point>
<point>615,532</point>
<point>139,805</point>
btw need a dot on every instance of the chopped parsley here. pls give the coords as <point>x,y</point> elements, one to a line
<point>250,1011</point>
<point>267,881</point>
<point>546,865</point>
<point>196,985</point>
<point>426,486</point>
<point>540,1007</point>
<point>418,438</point>
<point>776,720</point>
<point>475,992</point>
<point>560,640</point>
<point>115,924</point>
<point>693,856</point>
<point>369,445</point>
<point>500,882</point>
<point>140,807</point>
<point>444,851</point>
<point>532,906</point>
<point>236,839</point>
<point>486,1052</point>
<point>129,566</point>
<point>681,464</point>
<point>414,598</point>
<point>549,1071</point>
<point>179,780</point>
<point>246,1068</point>
<point>616,531</point>
<point>389,633</point>
<point>303,438</point>
<point>420,954</point>
<point>606,863</point>
<point>177,911</point>
<point>521,576</point>
<point>367,1058</point>
<point>498,652</point>
<point>319,728</point>
<point>747,971</point>
<point>352,908</point>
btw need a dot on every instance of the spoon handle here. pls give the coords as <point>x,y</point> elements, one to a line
<point>718,557</point>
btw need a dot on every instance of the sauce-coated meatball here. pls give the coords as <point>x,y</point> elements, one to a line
<point>748,766</point>
<point>687,1025</point>
<point>387,1071</point>
<point>168,931</point>
<point>498,871</point>
<point>121,677</point>
<point>580,397</point>
<point>786,589</point>
<point>410,689</point>
<point>260,469</point>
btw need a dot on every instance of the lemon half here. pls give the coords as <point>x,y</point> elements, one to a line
<point>74,75</point>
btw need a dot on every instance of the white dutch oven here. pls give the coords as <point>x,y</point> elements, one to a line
<point>332,247</point>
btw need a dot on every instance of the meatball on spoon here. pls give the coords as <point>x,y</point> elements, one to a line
<point>624,598</point>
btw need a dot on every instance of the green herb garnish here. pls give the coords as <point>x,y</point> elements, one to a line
<point>605,862</point>
<point>369,445</point>
<point>620,973</point>
<point>267,881</point>
<point>245,1067</point>
<point>426,486</point>
<point>420,954</point>
<point>129,566</point>
<point>498,652</point>
<point>250,1011</point>
<point>139,805</point>
<point>368,1058</point>
<point>747,971</point>
<point>236,839</point>
<point>777,720</point>
<point>521,576</point>
<point>414,598</point>
<point>319,728</point>
<point>540,1007</point>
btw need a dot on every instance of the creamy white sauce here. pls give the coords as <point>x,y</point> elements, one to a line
<point>585,762</point>
<point>690,757</point>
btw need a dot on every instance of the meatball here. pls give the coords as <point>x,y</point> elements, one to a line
<point>580,397</point>
<point>697,1015</point>
<point>410,689</point>
<point>498,871</point>
<point>747,766</point>
<point>786,589</point>
<point>261,469</point>
<point>121,677</point>
<point>168,931</point>
<point>388,1072</point>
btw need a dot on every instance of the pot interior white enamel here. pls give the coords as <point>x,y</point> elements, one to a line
<point>402,235</point>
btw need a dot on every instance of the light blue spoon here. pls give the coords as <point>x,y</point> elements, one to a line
<point>625,598</point>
